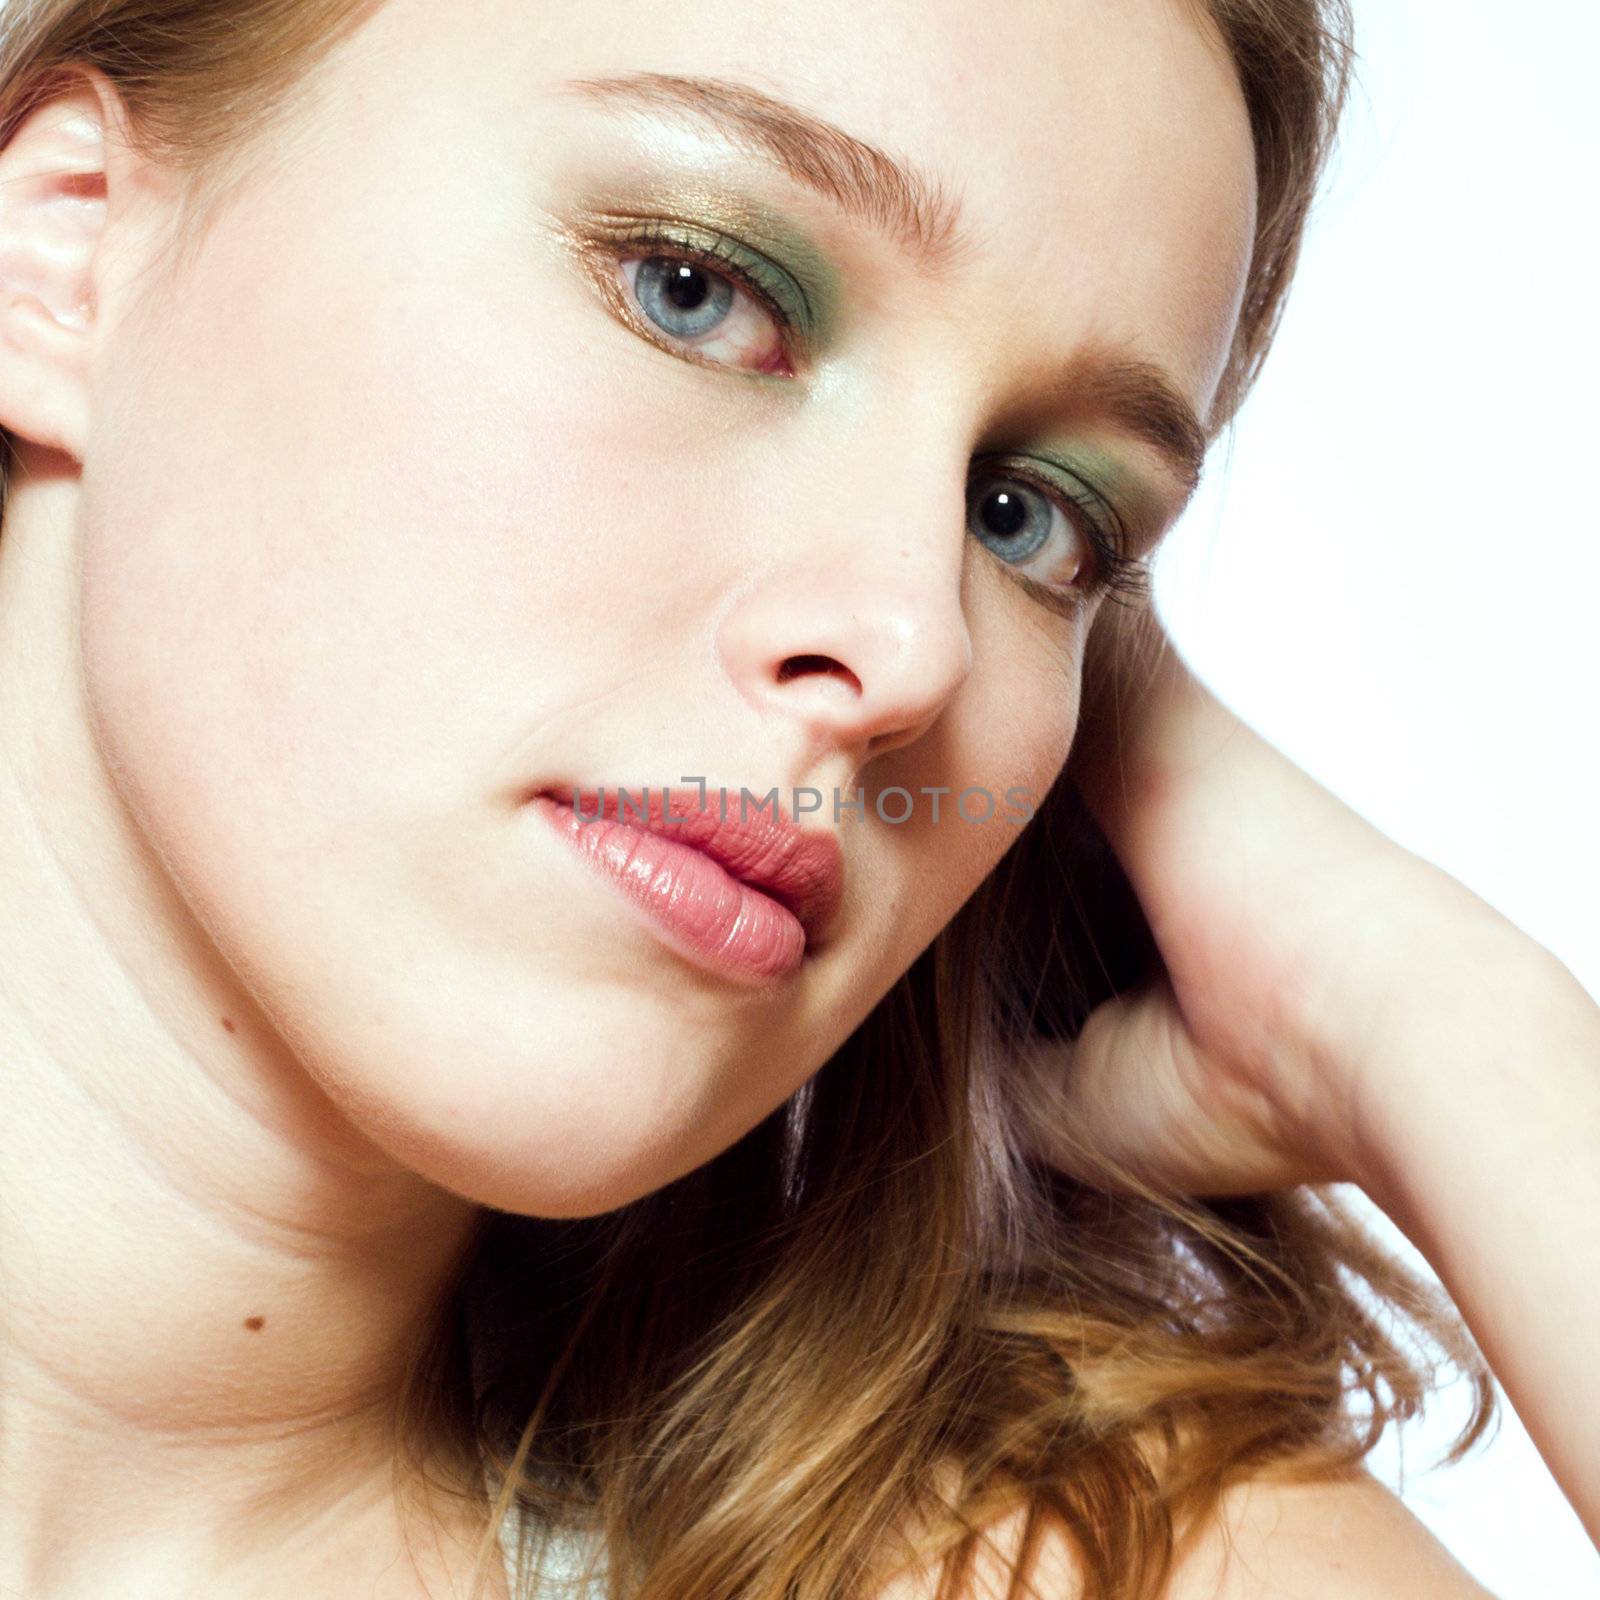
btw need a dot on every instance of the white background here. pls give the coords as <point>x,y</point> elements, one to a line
<point>1393,574</point>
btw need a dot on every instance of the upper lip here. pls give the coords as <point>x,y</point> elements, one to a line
<point>801,868</point>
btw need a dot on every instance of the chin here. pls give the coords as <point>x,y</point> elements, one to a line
<point>577,1124</point>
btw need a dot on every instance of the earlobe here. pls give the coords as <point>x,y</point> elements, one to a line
<point>39,373</point>
<point>52,214</point>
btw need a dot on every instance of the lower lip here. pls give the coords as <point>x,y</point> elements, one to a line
<point>709,916</point>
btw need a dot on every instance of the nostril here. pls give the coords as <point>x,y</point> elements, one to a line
<point>796,666</point>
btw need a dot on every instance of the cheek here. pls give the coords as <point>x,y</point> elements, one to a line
<point>374,536</point>
<point>1004,741</point>
<point>1027,708</point>
<point>347,562</point>
<point>1026,681</point>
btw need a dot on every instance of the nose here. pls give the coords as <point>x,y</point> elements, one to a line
<point>861,637</point>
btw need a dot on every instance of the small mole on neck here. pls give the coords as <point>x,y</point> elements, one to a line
<point>255,1324</point>
<point>227,1022</point>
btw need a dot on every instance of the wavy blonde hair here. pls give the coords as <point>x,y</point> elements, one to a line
<point>874,1313</point>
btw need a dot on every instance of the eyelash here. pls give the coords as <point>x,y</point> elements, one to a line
<point>644,240</point>
<point>1120,578</point>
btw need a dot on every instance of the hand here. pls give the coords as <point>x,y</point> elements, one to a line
<point>1300,946</point>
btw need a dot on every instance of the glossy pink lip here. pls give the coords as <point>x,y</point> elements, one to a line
<point>694,869</point>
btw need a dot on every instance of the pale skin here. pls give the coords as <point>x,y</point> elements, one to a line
<point>324,539</point>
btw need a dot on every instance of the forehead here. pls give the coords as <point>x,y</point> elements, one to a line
<point>1099,151</point>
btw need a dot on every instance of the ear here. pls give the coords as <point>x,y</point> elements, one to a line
<point>57,175</point>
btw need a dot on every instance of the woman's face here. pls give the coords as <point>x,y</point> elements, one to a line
<point>426,489</point>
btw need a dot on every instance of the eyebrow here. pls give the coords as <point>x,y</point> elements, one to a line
<point>919,213</point>
<point>1140,399</point>
<point>864,182</point>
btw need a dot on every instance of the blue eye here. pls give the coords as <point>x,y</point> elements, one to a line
<point>1023,524</point>
<point>1013,519</point>
<point>680,297</point>
<point>1065,543</point>
<point>713,311</point>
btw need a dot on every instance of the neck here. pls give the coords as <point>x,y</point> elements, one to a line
<point>211,1284</point>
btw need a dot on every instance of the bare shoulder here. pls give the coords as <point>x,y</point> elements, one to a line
<point>1350,1540</point>
<point>1270,1540</point>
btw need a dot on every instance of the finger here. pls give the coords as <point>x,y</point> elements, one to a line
<point>1134,1104</point>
